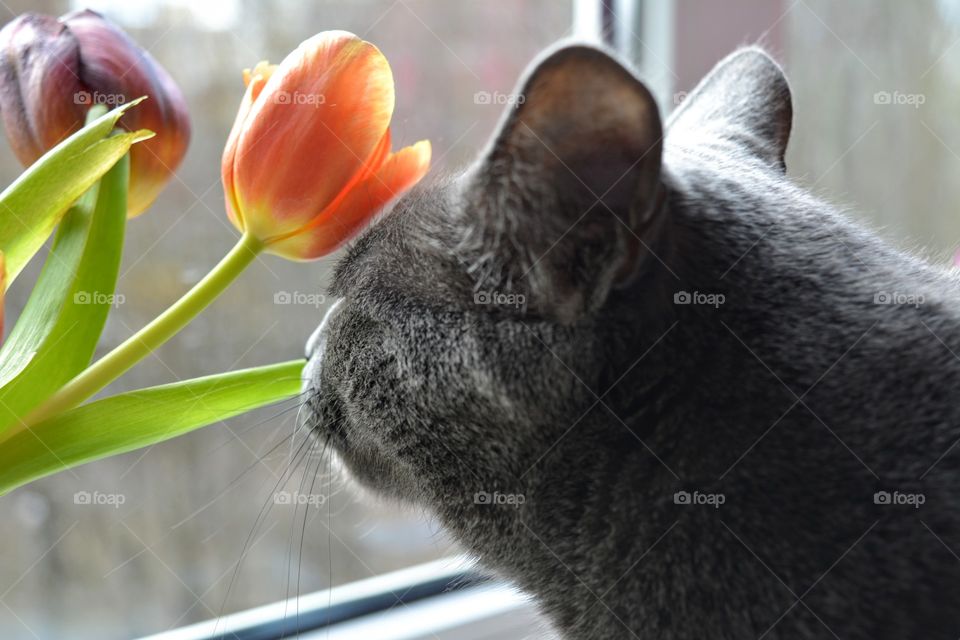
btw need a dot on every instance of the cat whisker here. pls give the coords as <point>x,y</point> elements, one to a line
<point>302,450</point>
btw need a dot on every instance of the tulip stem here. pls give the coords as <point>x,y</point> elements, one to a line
<point>144,342</point>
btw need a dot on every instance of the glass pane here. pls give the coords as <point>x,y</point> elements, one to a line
<point>874,86</point>
<point>876,101</point>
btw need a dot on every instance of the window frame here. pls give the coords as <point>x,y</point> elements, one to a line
<point>446,599</point>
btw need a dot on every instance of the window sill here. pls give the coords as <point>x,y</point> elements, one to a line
<point>440,600</point>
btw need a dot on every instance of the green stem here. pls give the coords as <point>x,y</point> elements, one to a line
<point>145,341</point>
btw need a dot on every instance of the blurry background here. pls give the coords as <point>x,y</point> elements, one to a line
<point>876,124</point>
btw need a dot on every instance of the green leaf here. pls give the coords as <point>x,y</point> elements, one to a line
<point>138,419</point>
<point>57,332</point>
<point>31,207</point>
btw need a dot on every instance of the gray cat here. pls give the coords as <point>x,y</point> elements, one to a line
<point>651,380</point>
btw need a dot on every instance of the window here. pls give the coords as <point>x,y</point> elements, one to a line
<point>179,538</point>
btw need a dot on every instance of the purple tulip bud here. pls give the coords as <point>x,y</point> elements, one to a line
<point>53,70</point>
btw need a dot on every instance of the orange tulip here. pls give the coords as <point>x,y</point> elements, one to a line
<point>308,161</point>
<point>307,164</point>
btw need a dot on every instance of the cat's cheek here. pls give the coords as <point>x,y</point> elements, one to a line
<point>346,468</point>
<point>377,476</point>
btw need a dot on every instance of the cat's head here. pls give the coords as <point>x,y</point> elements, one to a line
<point>482,316</point>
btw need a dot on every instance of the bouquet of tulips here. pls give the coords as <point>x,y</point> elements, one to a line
<point>307,164</point>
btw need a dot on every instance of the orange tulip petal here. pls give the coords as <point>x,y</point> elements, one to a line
<point>334,227</point>
<point>380,155</point>
<point>262,71</point>
<point>314,126</point>
<point>254,80</point>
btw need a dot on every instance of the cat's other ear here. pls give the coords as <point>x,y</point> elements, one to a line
<point>569,187</point>
<point>744,102</point>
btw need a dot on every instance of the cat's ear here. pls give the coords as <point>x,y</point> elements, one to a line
<point>744,102</point>
<point>569,186</point>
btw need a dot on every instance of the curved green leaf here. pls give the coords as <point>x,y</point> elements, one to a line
<point>31,207</point>
<point>138,419</point>
<point>55,336</point>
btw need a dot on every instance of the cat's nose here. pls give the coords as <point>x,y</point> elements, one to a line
<point>315,342</point>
